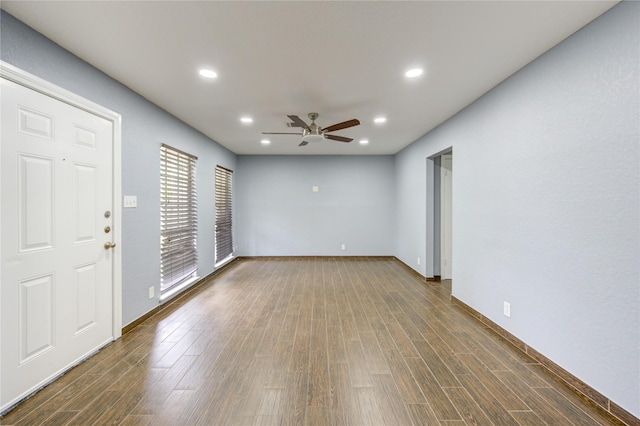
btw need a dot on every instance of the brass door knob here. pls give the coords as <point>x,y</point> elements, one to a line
<point>109,245</point>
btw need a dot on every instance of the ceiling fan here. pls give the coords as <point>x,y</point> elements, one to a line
<point>314,133</point>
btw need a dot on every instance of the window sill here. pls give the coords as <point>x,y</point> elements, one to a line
<point>224,262</point>
<point>170,294</point>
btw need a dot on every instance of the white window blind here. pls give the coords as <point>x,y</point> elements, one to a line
<point>224,234</point>
<point>178,217</point>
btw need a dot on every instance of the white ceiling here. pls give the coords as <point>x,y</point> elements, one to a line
<point>343,60</point>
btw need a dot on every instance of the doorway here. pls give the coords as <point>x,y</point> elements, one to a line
<point>60,288</point>
<point>442,215</point>
<point>446,217</point>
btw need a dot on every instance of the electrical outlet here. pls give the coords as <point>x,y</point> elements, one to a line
<point>344,247</point>
<point>507,309</point>
<point>418,261</point>
<point>152,292</point>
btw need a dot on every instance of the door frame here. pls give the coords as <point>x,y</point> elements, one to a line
<point>23,78</point>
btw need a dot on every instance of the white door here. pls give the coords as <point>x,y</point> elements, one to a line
<point>446,221</point>
<point>56,289</point>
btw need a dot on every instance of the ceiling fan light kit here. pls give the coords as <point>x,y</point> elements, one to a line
<point>312,138</point>
<point>312,133</point>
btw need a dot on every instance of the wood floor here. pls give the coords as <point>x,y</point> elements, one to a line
<point>309,341</point>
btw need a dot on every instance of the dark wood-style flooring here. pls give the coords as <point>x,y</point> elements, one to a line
<point>324,341</point>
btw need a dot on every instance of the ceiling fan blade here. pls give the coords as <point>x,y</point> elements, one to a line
<point>297,122</point>
<point>338,138</point>
<point>343,125</point>
<point>278,133</point>
<point>303,143</point>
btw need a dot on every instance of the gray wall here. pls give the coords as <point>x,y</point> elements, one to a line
<point>546,210</point>
<point>278,214</point>
<point>144,128</point>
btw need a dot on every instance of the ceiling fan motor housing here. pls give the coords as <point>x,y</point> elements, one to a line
<point>314,133</point>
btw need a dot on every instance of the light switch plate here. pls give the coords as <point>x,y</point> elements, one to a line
<point>130,202</point>
<point>314,189</point>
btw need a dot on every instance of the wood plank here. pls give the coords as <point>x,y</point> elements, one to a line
<point>345,408</point>
<point>132,420</point>
<point>440,370</point>
<point>470,411</point>
<point>155,394</point>
<point>526,418</point>
<point>374,358</point>
<point>294,399</point>
<point>276,370</point>
<point>59,418</point>
<point>90,395</point>
<point>97,408</point>
<point>493,384</point>
<point>533,400</point>
<point>46,410</point>
<point>358,368</point>
<point>318,388</point>
<point>336,350</point>
<point>423,415</point>
<point>408,327</point>
<point>480,352</point>
<point>408,388</point>
<point>393,409</point>
<point>491,406</point>
<point>370,413</point>
<point>404,344</point>
<point>317,416</point>
<point>560,403</point>
<point>442,407</point>
<point>176,409</point>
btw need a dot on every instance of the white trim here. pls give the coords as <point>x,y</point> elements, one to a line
<point>9,72</point>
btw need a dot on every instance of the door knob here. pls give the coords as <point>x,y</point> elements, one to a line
<point>109,245</point>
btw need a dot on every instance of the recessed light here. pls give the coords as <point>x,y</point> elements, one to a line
<point>246,120</point>
<point>364,141</point>
<point>413,72</point>
<point>206,73</point>
<point>380,120</point>
<point>265,141</point>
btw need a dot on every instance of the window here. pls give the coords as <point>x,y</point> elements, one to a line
<point>224,234</point>
<point>178,217</point>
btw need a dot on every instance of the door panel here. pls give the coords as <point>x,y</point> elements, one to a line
<point>35,202</point>
<point>36,316</point>
<point>84,202</point>
<point>86,283</point>
<point>56,288</point>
